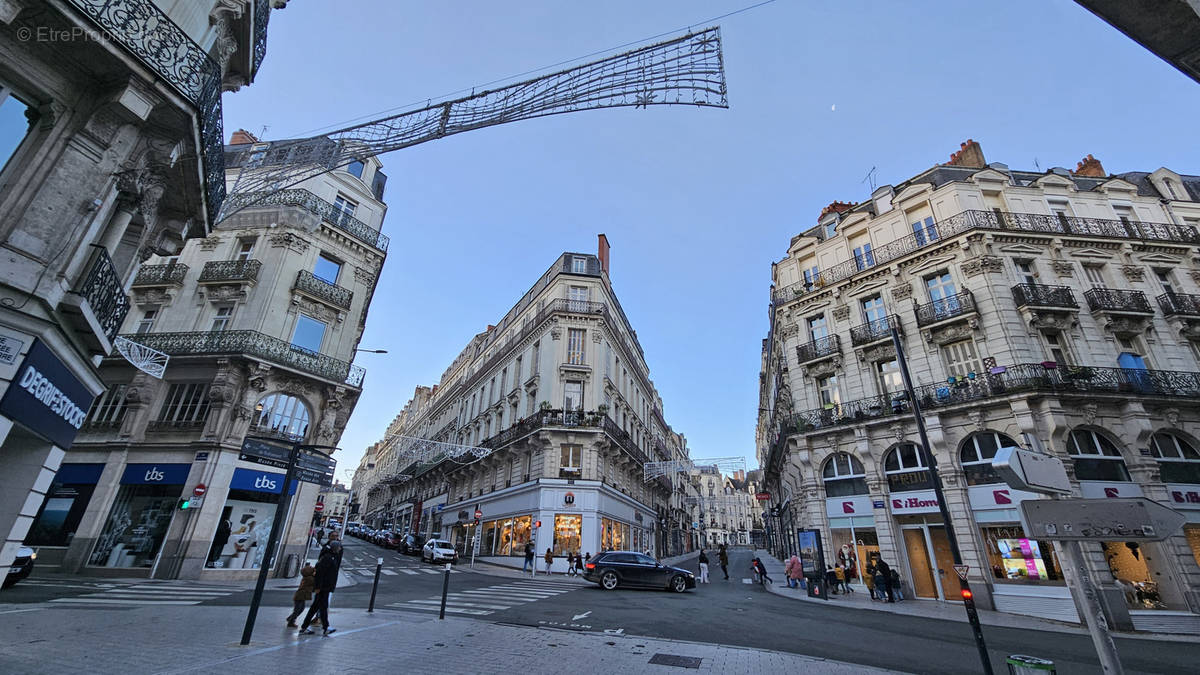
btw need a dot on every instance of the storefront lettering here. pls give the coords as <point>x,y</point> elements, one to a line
<point>913,503</point>
<point>1190,497</point>
<point>42,389</point>
<point>264,482</point>
<point>154,475</point>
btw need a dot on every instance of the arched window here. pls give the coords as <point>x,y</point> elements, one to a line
<point>1178,460</point>
<point>844,476</point>
<point>1096,457</point>
<point>976,455</point>
<point>906,469</point>
<point>281,414</point>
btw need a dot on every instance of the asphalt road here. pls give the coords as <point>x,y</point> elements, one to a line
<point>724,612</point>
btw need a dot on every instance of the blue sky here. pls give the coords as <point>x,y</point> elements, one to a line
<point>695,202</point>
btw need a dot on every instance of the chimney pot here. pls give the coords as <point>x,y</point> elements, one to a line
<point>1091,167</point>
<point>242,137</point>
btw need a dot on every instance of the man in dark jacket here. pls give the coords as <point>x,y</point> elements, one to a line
<point>219,541</point>
<point>723,558</point>
<point>884,569</point>
<point>324,581</point>
<point>529,553</point>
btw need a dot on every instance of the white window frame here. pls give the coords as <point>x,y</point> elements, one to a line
<point>957,363</point>
<point>222,318</point>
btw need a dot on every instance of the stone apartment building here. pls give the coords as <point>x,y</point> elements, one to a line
<point>110,152</point>
<point>1060,304</point>
<point>727,506</point>
<point>549,416</point>
<point>261,320</point>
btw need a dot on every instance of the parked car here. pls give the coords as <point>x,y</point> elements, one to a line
<point>22,565</point>
<point>409,545</point>
<point>439,550</point>
<point>636,570</point>
<point>392,540</point>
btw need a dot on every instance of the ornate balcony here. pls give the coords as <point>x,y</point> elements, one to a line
<point>1037,295</point>
<point>308,201</point>
<point>954,306</point>
<point>1179,304</point>
<point>819,349</point>
<point>1117,300</point>
<point>230,271</point>
<point>310,284</point>
<point>150,276</point>
<point>257,345</point>
<point>874,331</point>
<point>97,305</point>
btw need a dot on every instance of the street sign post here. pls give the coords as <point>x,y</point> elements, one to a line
<point>1032,471</point>
<point>1134,519</point>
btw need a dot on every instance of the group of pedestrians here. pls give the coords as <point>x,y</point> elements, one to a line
<point>319,581</point>
<point>882,581</point>
<point>722,557</point>
<point>575,561</point>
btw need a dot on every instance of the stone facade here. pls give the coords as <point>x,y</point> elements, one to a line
<point>1058,306</point>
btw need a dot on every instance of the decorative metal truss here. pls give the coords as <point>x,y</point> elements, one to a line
<point>712,503</point>
<point>405,451</point>
<point>148,360</point>
<point>652,470</point>
<point>686,70</point>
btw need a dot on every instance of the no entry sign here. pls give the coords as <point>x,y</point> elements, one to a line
<point>199,490</point>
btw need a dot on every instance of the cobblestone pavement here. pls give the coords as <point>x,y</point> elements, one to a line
<point>192,639</point>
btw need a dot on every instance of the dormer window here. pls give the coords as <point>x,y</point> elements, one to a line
<point>355,168</point>
<point>1170,185</point>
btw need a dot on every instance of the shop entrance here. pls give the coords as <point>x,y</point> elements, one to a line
<point>931,562</point>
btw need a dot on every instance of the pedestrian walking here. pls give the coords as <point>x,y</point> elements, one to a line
<point>883,579</point>
<point>320,535</point>
<point>224,528</point>
<point>869,578</point>
<point>303,594</point>
<point>761,569</point>
<point>529,552</point>
<point>839,576</point>
<point>703,567</point>
<point>723,558</point>
<point>549,559</point>
<point>896,586</point>
<point>794,571</point>
<point>324,582</point>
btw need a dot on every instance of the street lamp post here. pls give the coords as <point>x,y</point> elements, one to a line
<point>931,462</point>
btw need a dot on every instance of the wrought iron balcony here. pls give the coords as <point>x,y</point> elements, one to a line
<point>98,303</point>
<point>308,201</point>
<point>255,344</point>
<point>967,221</point>
<point>150,36</point>
<point>1179,304</point>
<point>819,348</point>
<point>1037,295</point>
<point>874,331</point>
<point>307,282</point>
<point>1117,300</point>
<point>959,304</point>
<point>149,276</point>
<point>224,271</point>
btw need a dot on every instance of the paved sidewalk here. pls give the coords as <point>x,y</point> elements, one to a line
<point>936,609</point>
<point>205,639</point>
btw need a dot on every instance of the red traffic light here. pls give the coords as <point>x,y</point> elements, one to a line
<point>967,594</point>
<point>538,524</point>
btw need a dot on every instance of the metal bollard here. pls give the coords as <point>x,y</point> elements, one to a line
<point>375,586</point>
<point>445,590</point>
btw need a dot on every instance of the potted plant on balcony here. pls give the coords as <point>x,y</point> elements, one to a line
<point>602,409</point>
<point>544,406</point>
<point>1079,373</point>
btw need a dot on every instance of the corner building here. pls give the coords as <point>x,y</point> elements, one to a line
<point>1061,304</point>
<point>560,394</point>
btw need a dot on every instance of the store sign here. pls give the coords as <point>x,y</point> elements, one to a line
<point>79,474</point>
<point>1096,489</point>
<point>155,474</point>
<point>921,501</point>
<point>763,496</point>
<point>840,507</point>
<point>45,397</point>
<point>10,349</point>
<point>259,481</point>
<point>569,498</point>
<point>996,496</point>
<point>1184,496</point>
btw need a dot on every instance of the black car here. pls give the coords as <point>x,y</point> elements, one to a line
<point>408,545</point>
<point>22,565</point>
<point>627,568</point>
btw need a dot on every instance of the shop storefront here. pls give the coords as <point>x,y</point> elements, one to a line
<point>614,535</point>
<point>249,511</point>
<point>925,543</point>
<point>66,502</point>
<point>852,536</point>
<point>140,515</point>
<point>506,536</point>
<point>1185,498</point>
<point>568,533</point>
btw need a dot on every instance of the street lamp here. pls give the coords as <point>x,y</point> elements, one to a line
<point>372,351</point>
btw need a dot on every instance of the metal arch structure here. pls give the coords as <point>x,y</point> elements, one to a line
<point>407,450</point>
<point>685,70</point>
<point>148,360</point>
<point>652,470</point>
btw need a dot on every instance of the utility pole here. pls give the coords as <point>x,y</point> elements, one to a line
<point>931,461</point>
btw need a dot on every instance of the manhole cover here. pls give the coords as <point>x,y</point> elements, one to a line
<point>673,660</point>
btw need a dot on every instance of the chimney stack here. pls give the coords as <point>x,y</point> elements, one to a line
<point>602,252</point>
<point>1090,166</point>
<point>835,207</point>
<point>969,155</point>
<point>242,137</point>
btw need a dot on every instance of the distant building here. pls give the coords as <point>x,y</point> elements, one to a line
<point>335,501</point>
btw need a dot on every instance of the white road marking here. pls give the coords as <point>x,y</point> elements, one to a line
<point>459,603</point>
<point>390,573</point>
<point>454,610</point>
<point>408,571</point>
<point>113,601</point>
<point>581,616</point>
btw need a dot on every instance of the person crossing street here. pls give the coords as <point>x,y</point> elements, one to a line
<point>723,558</point>
<point>703,567</point>
<point>324,581</point>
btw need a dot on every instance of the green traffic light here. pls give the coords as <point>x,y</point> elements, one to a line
<point>185,504</point>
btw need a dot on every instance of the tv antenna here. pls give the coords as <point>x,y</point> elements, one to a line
<point>870,177</point>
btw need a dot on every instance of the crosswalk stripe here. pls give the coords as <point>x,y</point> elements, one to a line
<point>148,593</point>
<point>390,573</point>
<point>408,571</point>
<point>207,589</point>
<point>367,573</point>
<point>459,603</point>
<point>115,601</point>
<point>453,610</point>
<point>429,571</point>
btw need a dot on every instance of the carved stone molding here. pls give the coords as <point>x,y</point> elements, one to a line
<point>984,264</point>
<point>789,330</point>
<point>555,333</point>
<point>1134,272</point>
<point>902,292</point>
<point>210,243</point>
<point>1126,326</point>
<point>152,296</point>
<point>841,313</point>
<point>364,276</point>
<point>1063,268</point>
<point>1172,416</point>
<point>1195,274</point>
<point>1089,411</point>
<point>597,337</point>
<point>944,335</point>
<point>823,368</point>
<point>977,420</point>
<point>290,241</point>
<point>879,352</point>
<point>224,293</point>
<point>1050,320</point>
<point>316,310</point>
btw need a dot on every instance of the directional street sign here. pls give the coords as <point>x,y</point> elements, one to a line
<point>310,476</point>
<point>1032,471</point>
<point>1136,519</point>
<point>267,454</point>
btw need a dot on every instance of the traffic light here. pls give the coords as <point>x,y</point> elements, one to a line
<point>538,524</point>
<point>967,594</point>
<point>185,503</point>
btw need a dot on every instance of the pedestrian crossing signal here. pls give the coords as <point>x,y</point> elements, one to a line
<point>185,503</point>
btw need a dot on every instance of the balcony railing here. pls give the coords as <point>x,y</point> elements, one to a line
<point>1117,300</point>
<point>1179,304</point>
<point>104,293</point>
<point>160,275</point>
<point>991,220</point>
<point>959,304</point>
<point>1037,295</point>
<point>819,348</point>
<point>150,36</point>
<point>1020,379</point>
<point>317,287</point>
<point>219,271</point>
<point>874,331</point>
<point>313,204</point>
<point>262,14</point>
<point>258,345</point>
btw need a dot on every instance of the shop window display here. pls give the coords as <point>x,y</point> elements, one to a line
<point>1127,562</point>
<point>137,524</point>
<point>250,515</point>
<point>506,536</point>
<point>65,504</point>
<point>1016,558</point>
<point>853,546</point>
<point>568,530</point>
<point>614,535</point>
